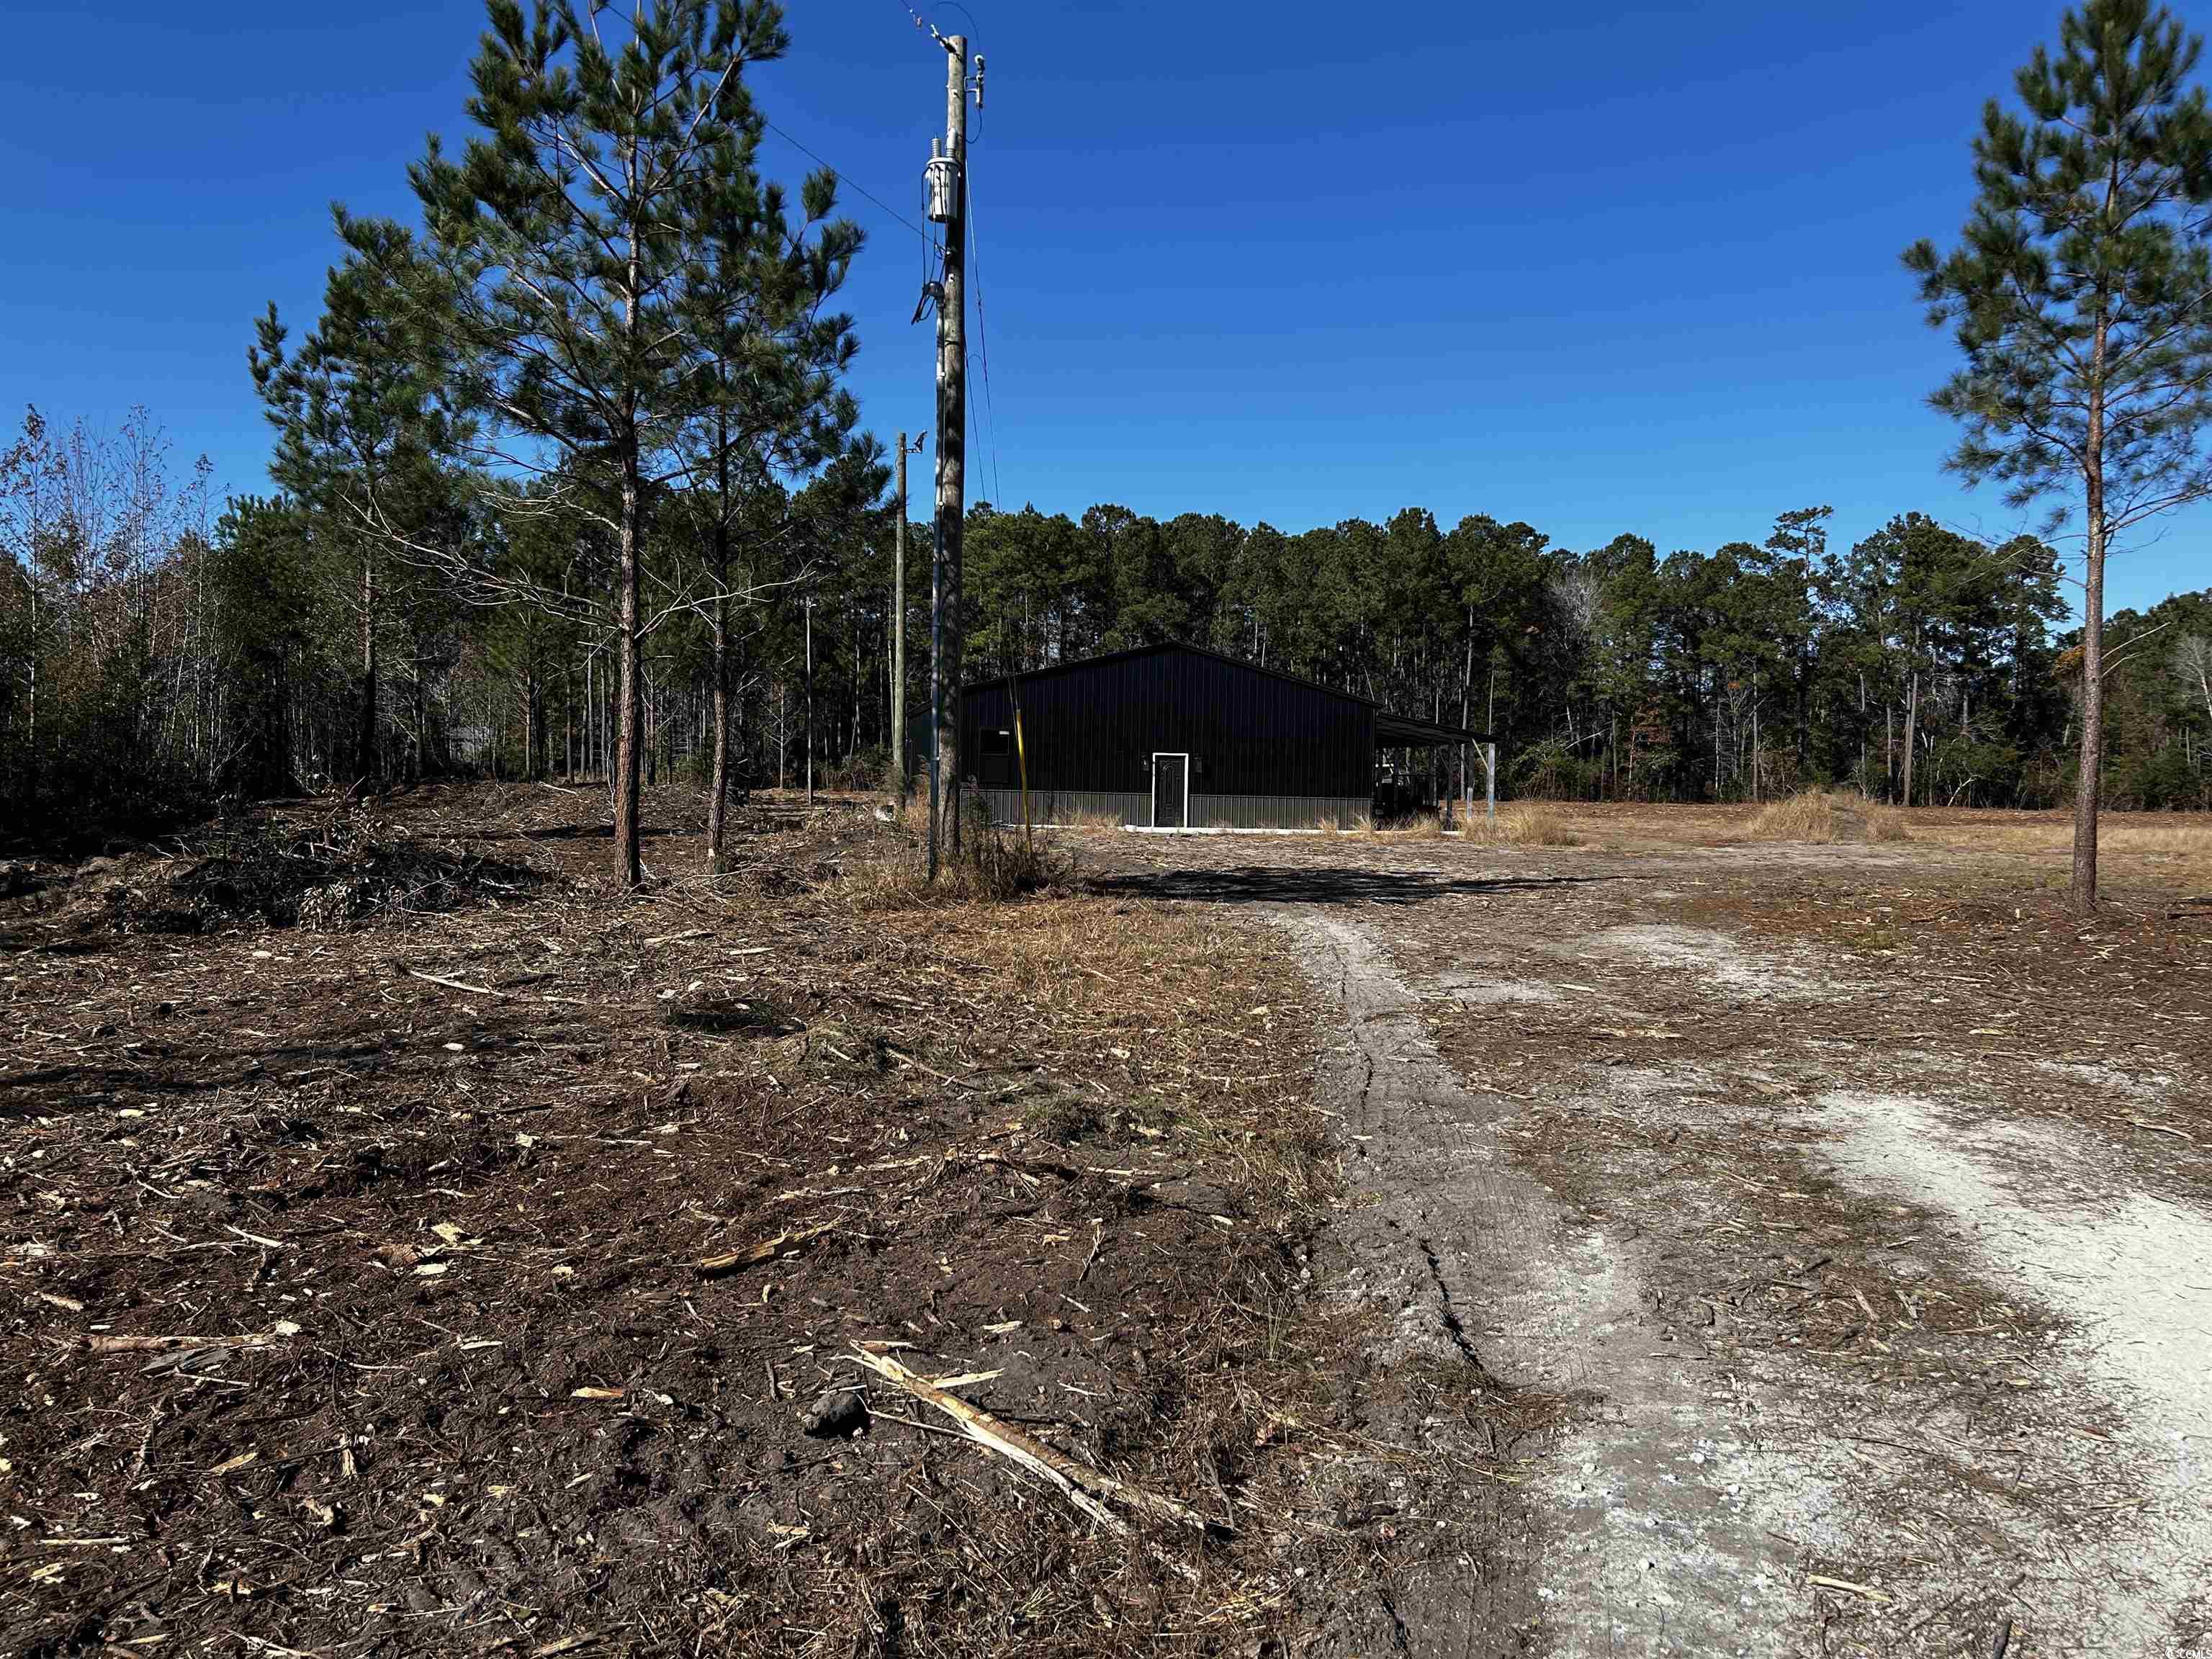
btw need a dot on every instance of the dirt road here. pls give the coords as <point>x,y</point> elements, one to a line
<point>1855,1208</point>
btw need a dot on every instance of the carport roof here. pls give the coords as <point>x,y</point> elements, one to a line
<point>1402,731</point>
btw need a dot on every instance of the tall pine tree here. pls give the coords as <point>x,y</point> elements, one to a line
<point>2078,297</point>
<point>567,242</point>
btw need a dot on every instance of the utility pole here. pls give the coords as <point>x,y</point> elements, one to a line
<point>901,761</point>
<point>809,693</point>
<point>898,629</point>
<point>948,206</point>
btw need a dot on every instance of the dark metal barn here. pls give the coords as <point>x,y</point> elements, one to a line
<point>1178,736</point>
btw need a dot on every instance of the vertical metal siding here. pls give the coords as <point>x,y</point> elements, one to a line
<point>1094,728</point>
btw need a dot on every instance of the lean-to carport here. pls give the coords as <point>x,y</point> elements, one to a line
<point>1406,732</point>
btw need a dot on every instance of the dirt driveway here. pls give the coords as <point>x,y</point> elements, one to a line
<point>1836,1221</point>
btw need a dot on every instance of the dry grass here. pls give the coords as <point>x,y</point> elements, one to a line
<point>1808,816</point>
<point>1133,974</point>
<point>2184,837</point>
<point>1523,823</point>
<point>2166,849</point>
<point>1818,816</point>
<point>991,866</point>
<point>1520,824</point>
<point>1089,820</point>
<point>913,812</point>
<point>1885,823</point>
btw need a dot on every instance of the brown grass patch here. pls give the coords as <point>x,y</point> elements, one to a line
<point>991,867</point>
<point>1089,820</point>
<point>1522,823</point>
<point>1819,817</point>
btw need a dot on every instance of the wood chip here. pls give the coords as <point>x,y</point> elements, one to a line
<point>1867,1591</point>
<point>965,1380</point>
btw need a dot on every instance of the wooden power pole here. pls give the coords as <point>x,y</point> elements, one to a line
<point>810,691</point>
<point>898,629</point>
<point>948,206</point>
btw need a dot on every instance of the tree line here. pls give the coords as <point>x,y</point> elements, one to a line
<point>567,481</point>
<point>1918,665</point>
<point>165,654</point>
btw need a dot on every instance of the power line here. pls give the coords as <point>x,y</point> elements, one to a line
<point>982,343</point>
<point>844,178</point>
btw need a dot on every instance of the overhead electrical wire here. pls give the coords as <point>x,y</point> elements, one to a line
<point>983,347</point>
<point>843,178</point>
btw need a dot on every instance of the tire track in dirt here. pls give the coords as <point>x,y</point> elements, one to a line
<point>1440,1222</point>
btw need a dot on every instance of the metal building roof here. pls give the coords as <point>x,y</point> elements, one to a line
<point>1391,731</point>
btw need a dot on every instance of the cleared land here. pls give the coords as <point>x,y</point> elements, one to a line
<point>1669,1241</point>
<point>1851,1205</point>
<point>465,1277</point>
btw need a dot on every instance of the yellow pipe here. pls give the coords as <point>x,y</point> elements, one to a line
<point>1022,758</point>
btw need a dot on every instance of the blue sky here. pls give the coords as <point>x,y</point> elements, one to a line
<point>1602,268</point>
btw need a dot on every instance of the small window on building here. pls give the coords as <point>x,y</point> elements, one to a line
<point>998,743</point>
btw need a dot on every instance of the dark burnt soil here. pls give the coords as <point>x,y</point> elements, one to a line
<point>416,1207</point>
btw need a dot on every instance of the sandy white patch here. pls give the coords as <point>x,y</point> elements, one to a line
<point>2136,1085</point>
<point>1714,957</point>
<point>2134,1271</point>
<point>1481,990</point>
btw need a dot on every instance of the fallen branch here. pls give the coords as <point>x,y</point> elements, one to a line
<point>455,984</point>
<point>905,1059</point>
<point>784,1244</point>
<point>1089,1490</point>
<point>116,1344</point>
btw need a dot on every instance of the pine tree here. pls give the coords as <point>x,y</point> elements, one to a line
<point>567,242</point>
<point>365,439</point>
<point>2078,298</point>
<point>769,361</point>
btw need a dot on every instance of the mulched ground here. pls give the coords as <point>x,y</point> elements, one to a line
<point>357,1169</point>
<point>1663,1107</point>
<point>357,1172</point>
